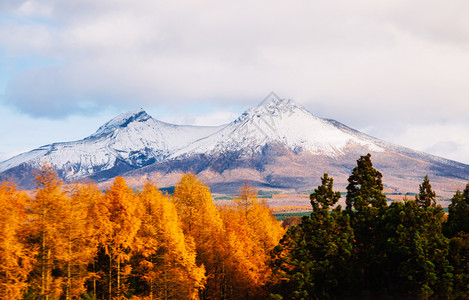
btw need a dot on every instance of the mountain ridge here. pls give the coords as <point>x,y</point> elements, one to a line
<point>263,140</point>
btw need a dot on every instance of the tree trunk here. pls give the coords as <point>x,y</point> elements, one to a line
<point>165,283</point>
<point>118,277</point>
<point>47,274</point>
<point>94,278</point>
<point>43,255</point>
<point>110,275</point>
<point>6,288</point>
<point>69,268</point>
<point>151,289</point>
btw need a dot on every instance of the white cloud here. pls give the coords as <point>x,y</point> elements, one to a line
<point>368,64</point>
<point>444,139</point>
<point>204,119</point>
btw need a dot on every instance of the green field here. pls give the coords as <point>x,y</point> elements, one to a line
<point>283,216</point>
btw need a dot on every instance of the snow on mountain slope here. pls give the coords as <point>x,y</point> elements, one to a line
<point>134,138</point>
<point>281,122</point>
<point>279,140</point>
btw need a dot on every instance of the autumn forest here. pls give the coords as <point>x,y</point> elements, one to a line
<point>74,241</point>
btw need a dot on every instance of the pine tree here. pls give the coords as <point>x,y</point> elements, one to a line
<point>365,187</point>
<point>312,259</point>
<point>458,214</point>
<point>324,196</point>
<point>365,203</point>
<point>459,259</point>
<point>416,250</point>
<point>426,196</point>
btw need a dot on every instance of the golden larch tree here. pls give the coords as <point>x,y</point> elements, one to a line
<point>201,221</point>
<point>80,233</point>
<point>245,263</point>
<point>165,259</point>
<point>252,233</point>
<point>124,221</point>
<point>15,259</point>
<point>46,228</point>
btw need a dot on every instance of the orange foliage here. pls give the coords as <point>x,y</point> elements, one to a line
<point>202,222</point>
<point>252,232</point>
<point>66,241</point>
<point>15,258</point>
<point>123,224</point>
<point>166,258</point>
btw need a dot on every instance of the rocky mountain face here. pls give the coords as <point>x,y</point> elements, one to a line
<point>276,145</point>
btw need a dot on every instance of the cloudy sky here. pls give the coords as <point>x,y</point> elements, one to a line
<point>397,70</point>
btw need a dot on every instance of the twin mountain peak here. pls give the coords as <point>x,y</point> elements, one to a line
<point>278,144</point>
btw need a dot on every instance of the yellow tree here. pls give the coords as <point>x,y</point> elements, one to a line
<point>123,223</point>
<point>247,198</point>
<point>165,259</point>
<point>80,234</point>
<point>245,262</point>
<point>15,258</point>
<point>201,221</point>
<point>267,229</point>
<point>46,228</point>
<point>102,227</point>
<point>253,232</point>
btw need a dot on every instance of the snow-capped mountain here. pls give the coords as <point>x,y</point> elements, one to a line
<point>278,144</point>
<point>279,122</point>
<point>128,141</point>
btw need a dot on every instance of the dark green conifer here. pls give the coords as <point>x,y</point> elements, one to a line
<point>459,259</point>
<point>312,258</point>
<point>426,196</point>
<point>417,252</point>
<point>324,196</point>
<point>365,203</point>
<point>458,214</point>
<point>365,186</point>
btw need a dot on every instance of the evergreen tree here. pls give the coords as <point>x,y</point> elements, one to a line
<point>365,204</point>
<point>458,214</point>
<point>324,196</point>
<point>312,259</point>
<point>459,259</point>
<point>426,196</point>
<point>416,251</point>
<point>365,187</point>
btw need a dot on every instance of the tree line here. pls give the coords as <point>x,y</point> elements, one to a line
<point>372,250</point>
<point>77,242</point>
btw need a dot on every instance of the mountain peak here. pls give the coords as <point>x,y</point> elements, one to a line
<point>273,107</point>
<point>272,104</point>
<point>123,120</point>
